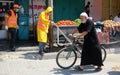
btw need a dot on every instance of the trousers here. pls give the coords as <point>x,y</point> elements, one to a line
<point>12,40</point>
<point>42,46</point>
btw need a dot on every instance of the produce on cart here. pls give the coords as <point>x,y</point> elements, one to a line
<point>109,29</point>
<point>112,25</point>
<point>65,23</point>
<point>62,29</point>
<point>103,28</point>
<point>77,21</point>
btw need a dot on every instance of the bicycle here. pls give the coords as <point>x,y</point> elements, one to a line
<point>67,56</point>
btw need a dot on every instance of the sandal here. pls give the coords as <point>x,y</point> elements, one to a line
<point>98,69</point>
<point>77,68</point>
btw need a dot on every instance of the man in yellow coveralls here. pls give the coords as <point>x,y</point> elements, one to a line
<point>42,28</point>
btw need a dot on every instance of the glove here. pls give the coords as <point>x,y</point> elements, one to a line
<point>17,27</point>
<point>46,31</point>
<point>6,27</point>
<point>70,35</point>
<point>52,22</point>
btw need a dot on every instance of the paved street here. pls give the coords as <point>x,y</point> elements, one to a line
<point>30,63</point>
<point>26,61</point>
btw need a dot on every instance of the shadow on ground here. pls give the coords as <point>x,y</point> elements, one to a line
<point>32,56</point>
<point>88,70</point>
<point>114,73</point>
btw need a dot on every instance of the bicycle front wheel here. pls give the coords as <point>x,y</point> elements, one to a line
<point>66,58</point>
<point>104,54</point>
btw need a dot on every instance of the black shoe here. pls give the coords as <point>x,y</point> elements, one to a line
<point>98,69</point>
<point>45,51</point>
<point>77,68</point>
<point>41,53</point>
<point>12,49</point>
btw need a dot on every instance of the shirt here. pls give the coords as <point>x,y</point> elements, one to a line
<point>116,19</point>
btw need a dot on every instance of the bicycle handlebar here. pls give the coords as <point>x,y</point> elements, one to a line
<point>78,41</point>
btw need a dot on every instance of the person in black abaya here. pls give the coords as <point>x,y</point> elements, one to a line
<point>91,53</point>
<point>87,8</point>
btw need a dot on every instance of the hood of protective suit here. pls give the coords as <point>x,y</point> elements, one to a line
<point>49,9</point>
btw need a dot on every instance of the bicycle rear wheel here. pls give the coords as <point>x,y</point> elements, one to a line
<point>66,58</point>
<point>104,54</point>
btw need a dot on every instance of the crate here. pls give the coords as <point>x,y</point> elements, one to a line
<point>65,29</point>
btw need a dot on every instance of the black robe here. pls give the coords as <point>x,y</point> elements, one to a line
<point>91,53</point>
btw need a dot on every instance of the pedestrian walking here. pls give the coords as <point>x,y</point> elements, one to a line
<point>87,8</point>
<point>42,28</point>
<point>91,53</point>
<point>11,25</point>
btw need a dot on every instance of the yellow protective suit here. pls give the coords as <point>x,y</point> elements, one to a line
<point>43,18</point>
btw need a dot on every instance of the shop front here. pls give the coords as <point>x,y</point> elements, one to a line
<point>63,10</point>
<point>67,9</point>
<point>110,8</point>
<point>23,19</point>
<point>27,17</point>
<point>5,5</point>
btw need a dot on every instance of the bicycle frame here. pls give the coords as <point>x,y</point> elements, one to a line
<point>72,51</point>
<point>76,45</point>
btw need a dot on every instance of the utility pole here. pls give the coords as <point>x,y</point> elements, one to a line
<point>50,34</point>
<point>33,25</point>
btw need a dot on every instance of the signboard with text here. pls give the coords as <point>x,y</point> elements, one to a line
<point>35,7</point>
